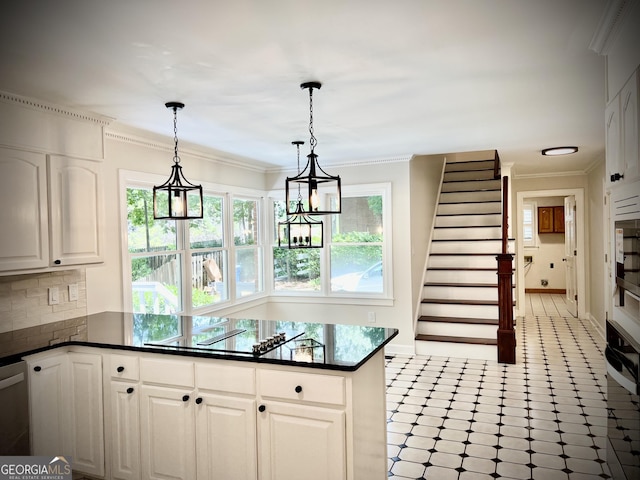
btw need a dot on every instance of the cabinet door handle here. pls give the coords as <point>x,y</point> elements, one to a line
<point>130,390</point>
<point>262,408</point>
<point>185,398</point>
<point>37,368</point>
<point>298,389</point>
<point>120,369</point>
<point>199,400</point>
<point>57,262</point>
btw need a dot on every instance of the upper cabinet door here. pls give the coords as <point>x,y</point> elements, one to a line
<point>613,138</point>
<point>24,239</point>
<point>76,209</point>
<point>630,128</point>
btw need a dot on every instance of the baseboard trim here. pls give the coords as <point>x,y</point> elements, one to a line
<point>560,291</point>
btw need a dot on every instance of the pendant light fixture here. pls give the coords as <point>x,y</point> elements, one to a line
<point>313,178</point>
<point>300,230</point>
<point>177,198</point>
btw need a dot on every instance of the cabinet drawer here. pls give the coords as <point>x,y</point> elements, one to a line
<point>306,387</point>
<point>225,378</point>
<point>124,367</point>
<point>167,372</point>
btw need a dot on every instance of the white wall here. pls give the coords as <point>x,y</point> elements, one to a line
<point>597,245</point>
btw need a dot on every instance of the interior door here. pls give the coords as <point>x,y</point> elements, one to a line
<point>570,254</point>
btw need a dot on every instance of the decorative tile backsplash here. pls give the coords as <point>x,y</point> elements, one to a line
<point>27,321</point>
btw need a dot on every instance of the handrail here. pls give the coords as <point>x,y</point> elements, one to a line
<point>505,213</point>
<point>496,165</point>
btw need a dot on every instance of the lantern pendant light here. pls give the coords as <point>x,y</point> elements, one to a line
<point>300,230</point>
<point>313,177</point>
<point>177,198</point>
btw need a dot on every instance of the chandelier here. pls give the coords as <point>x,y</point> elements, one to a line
<point>300,230</point>
<point>177,198</point>
<point>313,178</point>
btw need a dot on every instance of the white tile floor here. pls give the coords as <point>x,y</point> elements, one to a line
<point>543,418</point>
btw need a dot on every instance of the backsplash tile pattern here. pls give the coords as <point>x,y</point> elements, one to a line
<point>27,321</point>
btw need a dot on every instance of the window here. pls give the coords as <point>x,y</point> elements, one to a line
<point>529,224</point>
<point>186,266</point>
<point>356,253</point>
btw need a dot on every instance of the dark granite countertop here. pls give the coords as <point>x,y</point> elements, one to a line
<point>314,345</point>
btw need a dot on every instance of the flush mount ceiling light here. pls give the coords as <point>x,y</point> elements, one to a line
<point>300,230</point>
<point>313,178</point>
<point>559,151</point>
<point>177,198</point>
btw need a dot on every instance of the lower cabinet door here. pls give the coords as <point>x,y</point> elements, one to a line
<point>226,438</point>
<point>301,442</point>
<point>167,433</point>
<point>125,431</point>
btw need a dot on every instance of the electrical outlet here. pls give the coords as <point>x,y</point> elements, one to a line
<point>73,292</point>
<point>54,296</point>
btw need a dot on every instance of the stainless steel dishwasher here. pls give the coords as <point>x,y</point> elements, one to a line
<point>14,409</point>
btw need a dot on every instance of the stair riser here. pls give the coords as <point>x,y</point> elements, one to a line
<point>492,246</point>
<point>460,293</point>
<point>472,311</point>
<point>461,276</point>
<point>471,186</point>
<point>458,329</point>
<point>468,175</point>
<point>457,350</point>
<point>467,233</point>
<point>462,261</point>
<point>467,220</point>
<point>455,197</point>
<point>466,166</point>
<point>469,208</point>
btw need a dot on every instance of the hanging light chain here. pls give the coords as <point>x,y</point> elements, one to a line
<point>176,158</point>
<point>313,142</point>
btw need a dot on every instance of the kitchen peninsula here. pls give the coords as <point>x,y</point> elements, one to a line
<point>158,396</point>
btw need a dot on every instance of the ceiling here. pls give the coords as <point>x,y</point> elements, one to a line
<point>399,77</point>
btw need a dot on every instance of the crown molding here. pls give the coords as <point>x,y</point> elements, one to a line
<point>549,174</point>
<point>613,17</point>
<point>52,108</point>
<point>350,163</point>
<point>166,145</point>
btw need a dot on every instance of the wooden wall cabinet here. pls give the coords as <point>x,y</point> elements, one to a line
<point>551,219</point>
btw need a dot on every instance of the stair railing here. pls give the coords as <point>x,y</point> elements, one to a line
<point>506,333</point>
<point>496,165</point>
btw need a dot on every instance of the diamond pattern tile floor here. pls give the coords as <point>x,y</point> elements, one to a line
<point>543,418</point>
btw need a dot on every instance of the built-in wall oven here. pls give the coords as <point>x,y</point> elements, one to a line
<point>623,403</point>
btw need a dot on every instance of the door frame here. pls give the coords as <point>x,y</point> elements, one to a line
<point>578,193</point>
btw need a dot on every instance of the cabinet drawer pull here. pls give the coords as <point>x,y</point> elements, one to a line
<point>57,262</point>
<point>298,389</point>
<point>120,369</point>
<point>199,400</point>
<point>262,408</point>
<point>130,390</point>
<point>185,398</point>
<point>37,368</point>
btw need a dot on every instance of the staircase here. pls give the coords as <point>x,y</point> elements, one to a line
<point>459,308</point>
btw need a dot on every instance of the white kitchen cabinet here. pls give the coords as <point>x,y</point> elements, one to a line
<point>55,211</point>
<point>65,395</point>
<point>167,428</point>
<point>124,430</point>
<point>301,441</point>
<point>225,437</point>
<point>49,416</point>
<point>622,129</point>
<point>24,237</point>
<point>75,208</point>
<point>86,418</point>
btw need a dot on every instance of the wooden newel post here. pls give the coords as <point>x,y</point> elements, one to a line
<point>506,333</point>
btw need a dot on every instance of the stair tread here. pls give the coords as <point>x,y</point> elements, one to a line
<point>469,226</point>
<point>452,284</point>
<point>450,301</point>
<point>460,254</point>
<point>475,321</point>
<point>470,179</point>
<point>466,214</point>
<point>473,269</point>
<point>444,338</point>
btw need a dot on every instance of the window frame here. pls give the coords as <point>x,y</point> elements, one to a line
<point>365,298</point>
<point>533,243</point>
<point>137,179</point>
